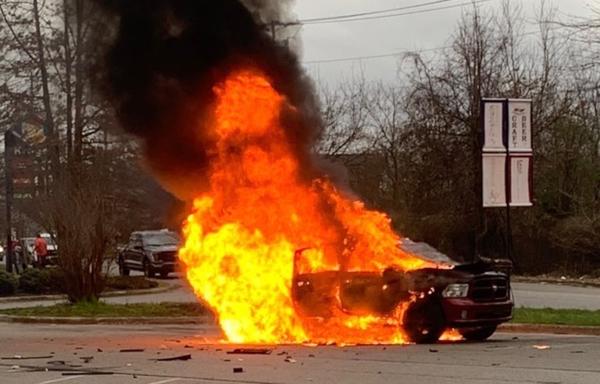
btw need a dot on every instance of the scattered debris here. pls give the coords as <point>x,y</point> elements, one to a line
<point>577,352</point>
<point>515,338</point>
<point>282,353</point>
<point>129,350</point>
<point>238,370</point>
<point>181,358</point>
<point>87,359</point>
<point>99,350</point>
<point>250,351</point>
<point>227,360</point>
<point>289,360</point>
<point>56,362</point>
<point>541,347</point>
<point>433,350</point>
<point>15,367</point>
<point>187,346</point>
<point>19,357</point>
<point>311,355</point>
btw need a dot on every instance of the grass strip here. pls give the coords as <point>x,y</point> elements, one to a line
<point>100,309</point>
<point>577,317</point>
<point>574,317</point>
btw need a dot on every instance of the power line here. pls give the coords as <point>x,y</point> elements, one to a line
<point>341,19</point>
<point>370,13</point>
<point>398,53</point>
<point>371,57</point>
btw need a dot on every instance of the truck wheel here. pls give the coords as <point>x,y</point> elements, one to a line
<point>148,271</point>
<point>424,322</point>
<point>123,270</point>
<point>478,334</point>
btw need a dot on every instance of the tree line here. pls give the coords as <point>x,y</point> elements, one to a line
<point>413,147</point>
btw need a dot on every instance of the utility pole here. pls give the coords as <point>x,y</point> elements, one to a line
<point>8,148</point>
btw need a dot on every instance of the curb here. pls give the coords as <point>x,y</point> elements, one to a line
<point>107,320</point>
<point>550,328</point>
<point>135,292</point>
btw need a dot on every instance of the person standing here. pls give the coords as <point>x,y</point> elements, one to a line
<point>16,255</point>
<point>41,250</point>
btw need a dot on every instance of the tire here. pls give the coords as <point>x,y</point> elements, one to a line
<point>424,322</point>
<point>123,270</point>
<point>148,271</point>
<point>478,334</point>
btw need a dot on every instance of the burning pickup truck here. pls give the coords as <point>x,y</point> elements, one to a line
<point>473,298</point>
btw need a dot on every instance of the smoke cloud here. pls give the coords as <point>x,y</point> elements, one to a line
<point>162,60</point>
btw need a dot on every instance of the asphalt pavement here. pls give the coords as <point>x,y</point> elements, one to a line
<point>92,354</point>
<point>532,295</point>
<point>541,295</point>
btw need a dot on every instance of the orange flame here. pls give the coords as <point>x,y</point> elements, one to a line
<point>242,235</point>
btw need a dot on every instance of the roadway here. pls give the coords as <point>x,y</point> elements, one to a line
<point>532,295</point>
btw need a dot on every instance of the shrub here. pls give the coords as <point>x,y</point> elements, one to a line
<point>8,283</point>
<point>122,283</point>
<point>36,281</point>
<point>33,281</point>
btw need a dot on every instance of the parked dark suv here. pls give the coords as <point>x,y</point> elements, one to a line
<point>474,298</point>
<point>151,252</point>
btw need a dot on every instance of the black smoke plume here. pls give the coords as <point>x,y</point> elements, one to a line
<point>162,59</point>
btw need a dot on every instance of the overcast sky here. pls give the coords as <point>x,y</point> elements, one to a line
<point>385,36</point>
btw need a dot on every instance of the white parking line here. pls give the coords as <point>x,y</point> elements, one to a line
<point>166,381</point>
<point>60,380</point>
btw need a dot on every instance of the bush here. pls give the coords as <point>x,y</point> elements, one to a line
<point>123,283</point>
<point>38,281</point>
<point>8,283</point>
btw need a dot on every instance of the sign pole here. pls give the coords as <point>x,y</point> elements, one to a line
<point>8,147</point>
<point>508,178</point>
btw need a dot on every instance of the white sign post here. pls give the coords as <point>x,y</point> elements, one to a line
<point>507,157</point>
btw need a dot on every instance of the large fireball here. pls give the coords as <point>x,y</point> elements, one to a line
<point>259,209</point>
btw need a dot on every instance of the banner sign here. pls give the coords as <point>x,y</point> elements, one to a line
<point>520,185</point>
<point>494,180</point>
<point>507,154</point>
<point>519,120</point>
<point>493,130</point>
